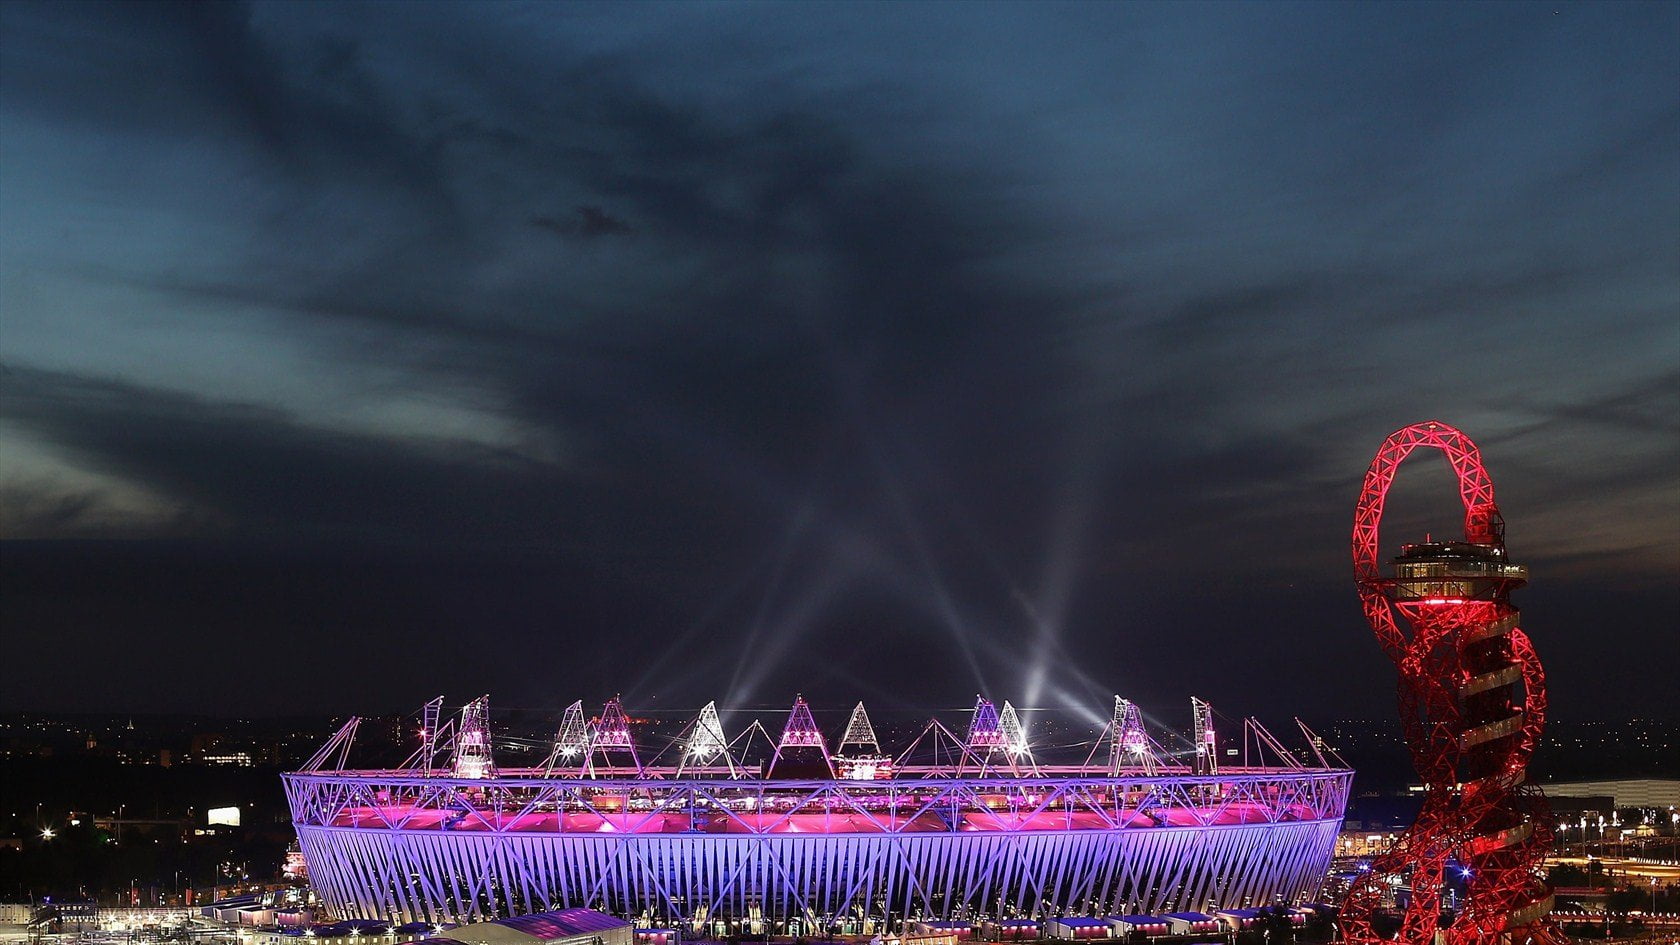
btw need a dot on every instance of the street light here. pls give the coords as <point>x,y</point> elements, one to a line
<point>47,833</point>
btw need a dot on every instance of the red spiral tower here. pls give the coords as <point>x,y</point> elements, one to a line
<point>1472,704</point>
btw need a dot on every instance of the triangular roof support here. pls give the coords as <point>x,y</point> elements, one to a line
<point>992,733</point>
<point>859,734</point>
<point>571,742</point>
<point>340,742</point>
<point>1263,740</point>
<point>612,733</point>
<point>1130,744</point>
<point>801,732</point>
<point>744,746</point>
<point>472,742</point>
<point>1320,747</point>
<point>985,732</point>
<point>942,740</point>
<point>1015,745</point>
<point>705,742</point>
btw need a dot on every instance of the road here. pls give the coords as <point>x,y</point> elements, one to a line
<point>1664,873</point>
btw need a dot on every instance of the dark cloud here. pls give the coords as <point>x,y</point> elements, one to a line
<point>713,349</point>
<point>263,473</point>
<point>587,222</point>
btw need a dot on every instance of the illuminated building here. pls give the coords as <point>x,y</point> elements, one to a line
<point>708,840</point>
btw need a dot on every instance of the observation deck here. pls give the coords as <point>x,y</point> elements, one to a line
<point>1453,571</point>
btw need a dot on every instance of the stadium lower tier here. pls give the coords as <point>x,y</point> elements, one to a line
<point>1090,846</point>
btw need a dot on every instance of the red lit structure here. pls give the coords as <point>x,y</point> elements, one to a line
<point>1472,702</point>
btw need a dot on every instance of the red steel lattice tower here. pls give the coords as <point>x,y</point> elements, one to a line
<point>1472,704</point>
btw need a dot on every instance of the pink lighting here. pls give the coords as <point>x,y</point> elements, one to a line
<point>697,833</point>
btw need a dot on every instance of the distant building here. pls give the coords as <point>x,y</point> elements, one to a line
<point>1364,843</point>
<point>240,758</point>
<point>1632,792</point>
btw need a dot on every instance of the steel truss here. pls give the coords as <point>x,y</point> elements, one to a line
<point>396,845</point>
<point>1470,731</point>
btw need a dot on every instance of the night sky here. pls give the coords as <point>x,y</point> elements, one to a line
<point>354,354</point>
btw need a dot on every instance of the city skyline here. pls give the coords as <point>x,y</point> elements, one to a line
<point>716,352</point>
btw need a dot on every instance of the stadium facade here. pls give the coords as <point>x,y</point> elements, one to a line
<point>970,827</point>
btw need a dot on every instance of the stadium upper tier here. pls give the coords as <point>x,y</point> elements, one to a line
<point>512,804</point>
<point>711,829</point>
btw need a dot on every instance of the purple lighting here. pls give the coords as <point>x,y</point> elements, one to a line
<point>700,842</point>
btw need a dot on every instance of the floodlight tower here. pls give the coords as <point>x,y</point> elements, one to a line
<point>1472,701</point>
<point>472,741</point>
<point>429,721</point>
<point>990,733</point>
<point>1131,742</point>
<point>705,742</point>
<point>1015,744</point>
<point>571,740</point>
<point>858,756</point>
<point>612,734</point>
<point>985,731</point>
<point>860,735</point>
<point>1207,745</point>
<point>800,736</point>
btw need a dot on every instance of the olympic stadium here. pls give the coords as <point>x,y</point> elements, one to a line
<point>756,832</point>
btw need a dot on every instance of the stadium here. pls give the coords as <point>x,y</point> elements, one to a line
<point>757,833</point>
